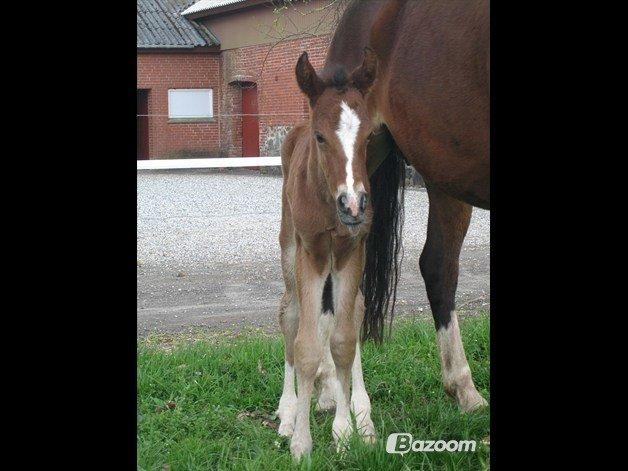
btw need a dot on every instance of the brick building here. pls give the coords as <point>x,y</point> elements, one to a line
<point>216,77</point>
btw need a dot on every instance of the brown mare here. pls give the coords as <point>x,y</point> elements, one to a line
<point>419,94</point>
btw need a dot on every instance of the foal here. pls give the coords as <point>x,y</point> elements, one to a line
<point>326,216</point>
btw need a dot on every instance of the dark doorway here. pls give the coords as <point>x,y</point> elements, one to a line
<point>142,124</point>
<point>250,121</point>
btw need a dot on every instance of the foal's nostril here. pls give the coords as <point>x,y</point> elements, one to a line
<point>342,203</point>
<point>363,202</point>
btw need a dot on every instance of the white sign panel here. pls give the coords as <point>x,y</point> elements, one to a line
<point>190,103</point>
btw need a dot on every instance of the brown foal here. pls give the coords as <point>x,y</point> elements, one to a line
<point>326,216</point>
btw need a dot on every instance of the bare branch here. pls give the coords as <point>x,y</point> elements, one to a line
<point>283,27</point>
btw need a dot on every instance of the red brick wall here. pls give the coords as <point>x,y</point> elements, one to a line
<point>158,72</point>
<point>271,68</point>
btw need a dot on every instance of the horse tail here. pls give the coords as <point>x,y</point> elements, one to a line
<point>383,244</point>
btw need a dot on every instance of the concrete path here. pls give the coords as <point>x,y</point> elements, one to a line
<point>208,254</point>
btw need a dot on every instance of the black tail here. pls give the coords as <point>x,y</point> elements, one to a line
<point>383,246</point>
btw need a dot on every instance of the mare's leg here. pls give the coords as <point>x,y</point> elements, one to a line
<point>311,272</point>
<point>447,225</point>
<point>360,402</point>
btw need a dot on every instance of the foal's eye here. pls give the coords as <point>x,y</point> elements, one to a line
<point>319,137</point>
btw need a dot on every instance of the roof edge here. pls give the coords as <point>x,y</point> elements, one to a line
<point>181,49</point>
<point>222,9</point>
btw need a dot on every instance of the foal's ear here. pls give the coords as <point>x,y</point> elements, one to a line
<point>364,76</point>
<point>308,81</point>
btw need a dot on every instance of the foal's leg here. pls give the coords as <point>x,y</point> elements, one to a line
<point>289,321</point>
<point>327,374</point>
<point>344,337</point>
<point>360,402</point>
<point>311,272</point>
<point>327,370</point>
<point>447,225</point>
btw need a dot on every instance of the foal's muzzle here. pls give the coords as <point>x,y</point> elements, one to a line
<point>351,208</point>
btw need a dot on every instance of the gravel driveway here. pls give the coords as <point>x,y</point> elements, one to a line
<point>208,252</point>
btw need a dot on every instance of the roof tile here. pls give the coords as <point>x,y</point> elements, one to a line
<point>161,25</point>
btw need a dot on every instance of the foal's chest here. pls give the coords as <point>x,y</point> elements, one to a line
<point>343,248</point>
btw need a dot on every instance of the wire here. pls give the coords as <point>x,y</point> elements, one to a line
<point>227,115</point>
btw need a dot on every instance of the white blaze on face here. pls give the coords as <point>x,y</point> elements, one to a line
<point>347,133</point>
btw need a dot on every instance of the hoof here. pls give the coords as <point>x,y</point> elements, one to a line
<point>327,396</point>
<point>342,429</point>
<point>325,403</point>
<point>361,407</point>
<point>470,400</point>
<point>286,429</point>
<point>369,439</point>
<point>287,413</point>
<point>300,447</point>
<point>366,430</point>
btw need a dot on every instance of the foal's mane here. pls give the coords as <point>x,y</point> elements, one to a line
<point>336,77</point>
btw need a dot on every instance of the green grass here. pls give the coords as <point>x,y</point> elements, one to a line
<point>223,394</point>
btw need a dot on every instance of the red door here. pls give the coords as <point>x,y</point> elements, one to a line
<point>142,124</point>
<point>250,124</point>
